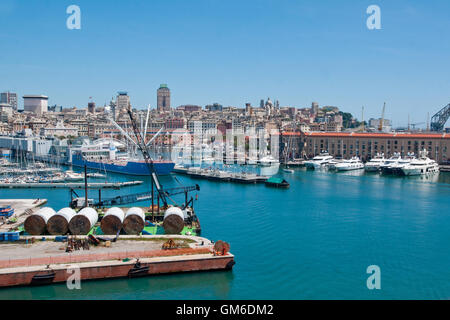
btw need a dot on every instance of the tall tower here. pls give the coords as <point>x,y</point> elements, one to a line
<point>123,101</point>
<point>163,94</point>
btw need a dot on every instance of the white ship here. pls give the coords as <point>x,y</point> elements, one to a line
<point>352,164</point>
<point>375,163</point>
<point>421,166</point>
<point>385,168</point>
<point>318,161</point>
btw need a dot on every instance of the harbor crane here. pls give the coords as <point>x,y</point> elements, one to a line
<point>439,119</point>
<point>161,193</point>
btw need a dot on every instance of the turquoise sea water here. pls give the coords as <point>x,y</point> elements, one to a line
<point>312,241</point>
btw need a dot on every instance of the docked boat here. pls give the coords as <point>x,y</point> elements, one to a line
<point>319,161</point>
<point>386,167</point>
<point>106,155</point>
<point>332,164</point>
<point>351,164</point>
<point>375,163</point>
<point>277,183</point>
<point>73,176</point>
<point>396,168</point>
<point>96,175</point>
<point>421,166</point>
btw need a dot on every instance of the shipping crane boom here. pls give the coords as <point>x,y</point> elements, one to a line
<point>143,147</point>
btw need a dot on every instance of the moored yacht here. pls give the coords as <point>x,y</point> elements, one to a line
<point>318,161</point>
<point>421,166</point>
<point>352,164</point>
<point>396,168</point>
<point>385,168</point>
<point>375,163</point>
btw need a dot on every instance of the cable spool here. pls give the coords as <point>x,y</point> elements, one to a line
<point>58,224</point>
<point>173,221</point>
<point>36,224</point>
<point>134,221</point>
<point>112,221</point>
<point>83,221</point>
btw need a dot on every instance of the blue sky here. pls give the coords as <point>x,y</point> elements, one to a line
<point>232,52</point>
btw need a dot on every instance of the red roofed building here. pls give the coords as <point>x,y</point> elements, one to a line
<point>367,145</point>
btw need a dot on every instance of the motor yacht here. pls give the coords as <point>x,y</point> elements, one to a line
<point>421,166</point>
<point>318,161</point>
<point>375,163</point>
<point>385,168</point>
<point>352,164</point>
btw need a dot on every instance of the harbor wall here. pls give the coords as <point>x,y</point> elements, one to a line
<point>23,276</point>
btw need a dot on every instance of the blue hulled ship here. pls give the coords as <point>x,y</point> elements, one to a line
<point>105,155</point>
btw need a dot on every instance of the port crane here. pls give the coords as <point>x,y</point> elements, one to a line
<point>162,194</point>
<point>439,119</point>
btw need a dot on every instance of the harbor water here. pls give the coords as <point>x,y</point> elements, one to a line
<point>312,241</point>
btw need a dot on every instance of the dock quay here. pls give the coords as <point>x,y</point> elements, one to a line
<point>296,163</point>
<point>71,185</point>
<point>44,262</point>
<point>218,175</point>
<point>444,168</point>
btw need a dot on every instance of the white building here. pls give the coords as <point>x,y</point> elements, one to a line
<point>59,131</point>
<point>37,104</point>
<point>6,108</point>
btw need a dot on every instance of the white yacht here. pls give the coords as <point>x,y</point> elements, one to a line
<point>352,164</point>
<point>318,161</point>
<point>73,176</point>
<point>331,165</point>
<point>421,166</point>
<point>375,163</point>
<point>396,168</point>
<point>268,161</point>
<point>385,168</point>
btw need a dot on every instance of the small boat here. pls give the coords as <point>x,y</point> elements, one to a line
<point>138,270</point>
<point>73,176</point>
<point>277,183</point>
<point>287,170</point>
<point>96,175</point>
<point>43,279</point>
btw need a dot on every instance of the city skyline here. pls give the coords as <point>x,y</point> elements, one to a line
<point>232,53</point>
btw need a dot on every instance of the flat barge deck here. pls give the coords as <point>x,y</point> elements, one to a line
<point>43,262</point>
<point>46,259</point>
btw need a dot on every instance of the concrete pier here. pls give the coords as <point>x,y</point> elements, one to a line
<point>72,185</point>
